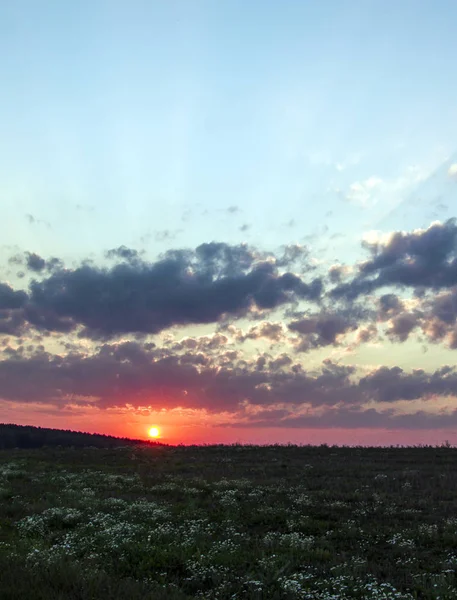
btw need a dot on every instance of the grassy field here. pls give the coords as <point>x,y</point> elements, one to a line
<point>228,522</point>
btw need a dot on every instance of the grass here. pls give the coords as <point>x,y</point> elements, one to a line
<point>221,522</point>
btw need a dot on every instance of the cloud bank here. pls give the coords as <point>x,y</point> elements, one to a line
<point>119,325</point>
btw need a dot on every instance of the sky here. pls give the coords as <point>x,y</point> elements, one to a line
<point>233,221</point>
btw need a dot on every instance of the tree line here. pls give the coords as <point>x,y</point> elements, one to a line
<point>28,436</point>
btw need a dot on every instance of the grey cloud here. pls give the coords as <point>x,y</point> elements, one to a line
<point>11,299</point>
<point>366,334</point>
<point>322,329</point>
<point>270,331</point>
<point>12,322</point>
<point>352,418</point>
<point>444,306</point>
<point>145,375</point>
<point>402,325</point>
<point>390,384</point>
<point>123,253</point>
<point>35,262</point>
<point>419,259</point>
<point>389,306</point>
<point>204,285</point>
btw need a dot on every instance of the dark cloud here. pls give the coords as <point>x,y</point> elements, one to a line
<point>207,343</point>
<point>390,384</point>
<point>295,255</point>
<point>389,306</point>
<point>435,330</point>
<point>270,331</point>
<point>12,322</point>
<point>131,373</point>
<point>217,283</point>
<point>47,319</point>
<point>336,273</point>
<point>273,332</point>
<point>444,307</point>
<point>205,285</point>
<point>190,376</point>
<point>280,362</point>
<point>439,315</point>
<point>402,325</point>
<point>123,253</point>
<point>351,418</point>
<point>54,264</point>
<point>11,299</point>
<point>322,329</point>
<point>35,262</point>
<point>425,258</point>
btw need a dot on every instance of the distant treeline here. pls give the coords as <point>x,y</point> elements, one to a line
<point>20,436</point>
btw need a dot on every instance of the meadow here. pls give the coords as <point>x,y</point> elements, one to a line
<point>218,522</point>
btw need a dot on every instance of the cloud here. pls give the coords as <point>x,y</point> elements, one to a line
<point>204,285</point>
<point>390,384</point>
<point>12,322</point>
<point>402,325</point>
<point>321,330</point>
<point>123,253</point>
<point>353,418</point>
<point>327,327</point>
<point>12,303</point>
<point>273,332</point>
<point>439,316</point>
<point>366,334</point>
<point>35,262</point>
<point>11,299</point>
<point>131,373</point>
<point>201,344</point>
<point>295,255</point>
<point>362,193</point>
<point>202,373</point>
<point>217,283</point>
<point>338,272</point>
<point>390,305</point>
<point>424,258</point>
<point>444,306</point>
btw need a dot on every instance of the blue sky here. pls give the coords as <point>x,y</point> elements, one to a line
<point>165,125</point>
<point>144,110</point>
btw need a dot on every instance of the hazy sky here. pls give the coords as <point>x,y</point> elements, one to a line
<point>231,220</point>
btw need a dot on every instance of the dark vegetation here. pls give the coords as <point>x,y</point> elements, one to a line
<point>224,522</point>
<point>20,436</point>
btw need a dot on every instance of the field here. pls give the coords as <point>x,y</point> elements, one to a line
<point>228,522</point>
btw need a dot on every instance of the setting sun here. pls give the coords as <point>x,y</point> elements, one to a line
<point>154,432</point>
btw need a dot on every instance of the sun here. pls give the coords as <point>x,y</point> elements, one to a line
<point>154,432</point>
